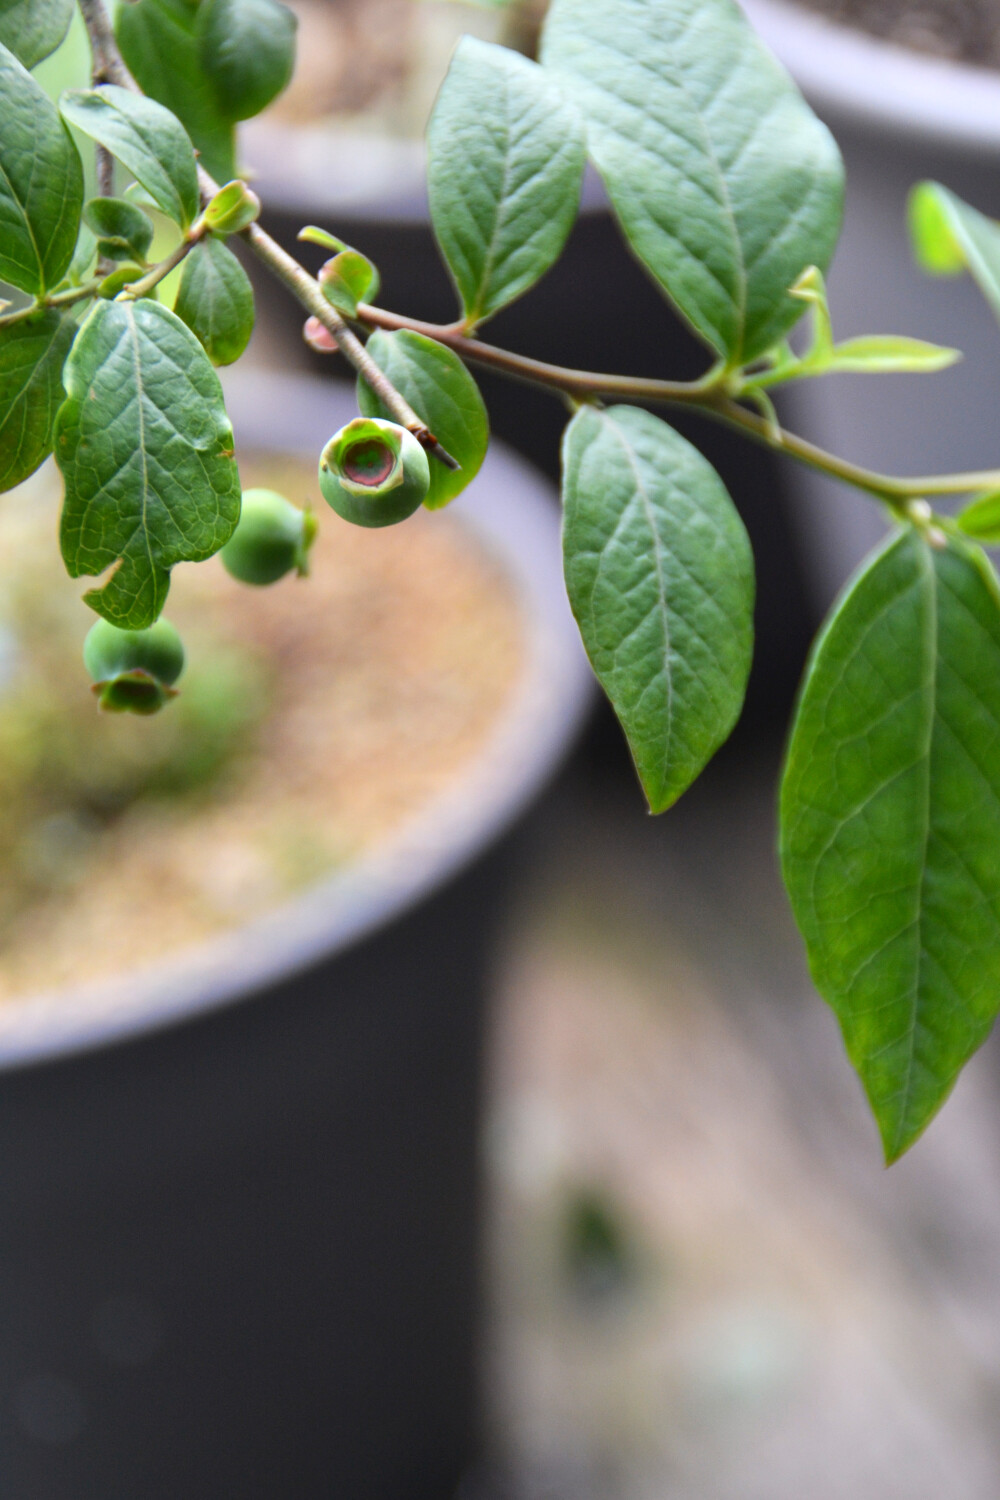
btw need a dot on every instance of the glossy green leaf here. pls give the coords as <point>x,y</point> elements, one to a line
<point>887,354</point>
<point>247,51</point>
<point>32,355</point>
<point>506,157</point>
<point>725,183</point>
<point>215,300</point>
<point>33,29</point>
<point>151,30</point>
<point>145,138</point>
<point>961,237</point>
<point>890,822</point>
<point>146,452</point>
<point>124,231</point>
<point>347,279</point>
<point>981,518</point>
<point>660,577</point>
<point>440,389</point>
<point>41,184</point>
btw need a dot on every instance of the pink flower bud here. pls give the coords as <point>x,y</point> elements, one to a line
<point>318,337</point>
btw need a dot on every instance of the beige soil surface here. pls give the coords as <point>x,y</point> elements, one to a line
<point>382,674</point>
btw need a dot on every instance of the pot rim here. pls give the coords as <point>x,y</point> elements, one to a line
<point>850,75</point>
<point>326,168</point>
<point>511,509</point>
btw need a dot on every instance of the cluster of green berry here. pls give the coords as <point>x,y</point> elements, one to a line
<point>372,473</point>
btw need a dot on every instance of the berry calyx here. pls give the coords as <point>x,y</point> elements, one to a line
<point>134,671</point>
<point>373,472</point>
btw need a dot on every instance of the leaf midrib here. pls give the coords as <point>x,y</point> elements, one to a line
<point>141,414</point>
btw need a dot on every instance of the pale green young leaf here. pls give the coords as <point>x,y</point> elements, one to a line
<point>347,279</point>
<point>932,235</point>
<point>247,51</point>
<point>146,453</point>
<point>32,355</point>
<point>981,518</point>
<point>725,183</point>
<point>313,235</point>
<point>41,184</point>
<point>215,300</point>
<point>151,30</point>
<point>124,231</point>
<point>660,577</point>
<point>887,354</point>
<point>146,138</point>
<point>442,392</point>
<point>506,152</point>
<point>33,29</point>
<point>890,822</point>
<point>960,236</point>
<point>232,208</point>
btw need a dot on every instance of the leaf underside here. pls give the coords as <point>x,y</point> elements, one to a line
<point>660,577</point>
<point>726,185</point>
<point>146,452</point>
<point>890,815</point>
<point>146,138</point>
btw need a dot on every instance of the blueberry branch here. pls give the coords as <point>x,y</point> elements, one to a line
<point>108,64</point>
<point>707,395</point>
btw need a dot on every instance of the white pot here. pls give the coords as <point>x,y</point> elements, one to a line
<point>899,117</point>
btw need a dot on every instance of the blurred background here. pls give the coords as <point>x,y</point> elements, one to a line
<point>700,1283</point>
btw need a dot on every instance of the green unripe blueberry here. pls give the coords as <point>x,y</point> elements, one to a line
<point>374,472</point>
<point>133,670</point>
<point>272,538</point>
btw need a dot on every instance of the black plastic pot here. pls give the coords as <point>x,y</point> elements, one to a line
<point>238,1200</point>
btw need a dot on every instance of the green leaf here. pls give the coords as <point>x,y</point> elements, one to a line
<point>440,389</point>
<point>506,157</point>
<point>152,30</point>
<point>232,208</point>
<point>935,247</point>
<point>890,822</point>
<point>215,300</point>
<point>886,354</point>
<point>347,279</point>
<point>725,183</point>
<point>959,236</point>
<point>82,264</point>
<point>145,138</point>
<point>32,355</point>
<point>41,184</point>
<point>660,577</point>
<point>33,29</point>
<point>981,518</point>
<point>316,236</point>
<point>247,51</point>
<point>146,452</point>
<point>124,231</point>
